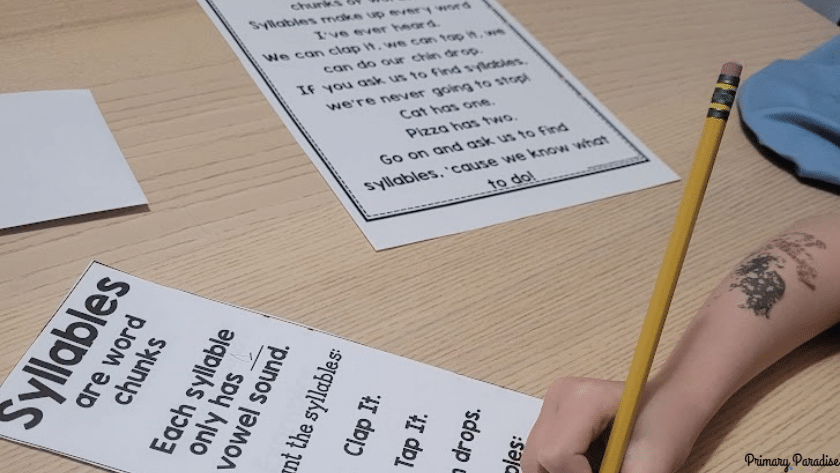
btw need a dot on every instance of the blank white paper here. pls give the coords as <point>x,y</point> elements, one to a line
<point>59,159</point>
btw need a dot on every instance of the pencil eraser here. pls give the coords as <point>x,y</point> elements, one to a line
<point>732,68</point>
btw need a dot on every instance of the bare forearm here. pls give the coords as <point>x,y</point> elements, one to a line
<point>780,296</point>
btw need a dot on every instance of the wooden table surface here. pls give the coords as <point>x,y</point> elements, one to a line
<point>238,213</point>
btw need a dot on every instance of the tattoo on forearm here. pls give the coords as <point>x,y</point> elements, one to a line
<point>762,285</point>
<point>758,279</point>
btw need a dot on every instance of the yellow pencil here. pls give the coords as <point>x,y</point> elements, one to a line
<point>669,272</point>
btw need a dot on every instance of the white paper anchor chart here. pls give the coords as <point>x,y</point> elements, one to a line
<point>429,117</point>
<point>136,377</point>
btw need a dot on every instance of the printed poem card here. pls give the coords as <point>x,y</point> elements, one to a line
<point>431,117</point>
<point>132,376</point>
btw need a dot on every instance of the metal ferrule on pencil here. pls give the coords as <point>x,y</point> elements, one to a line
<point>723,97</point>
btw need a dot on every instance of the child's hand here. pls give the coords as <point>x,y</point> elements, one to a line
<point>575,412</point>
<point>569,434</point>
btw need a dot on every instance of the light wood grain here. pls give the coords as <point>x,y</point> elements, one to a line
<point>238,213</point>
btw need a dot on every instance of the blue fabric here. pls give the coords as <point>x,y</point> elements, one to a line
<point>793,108</point>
